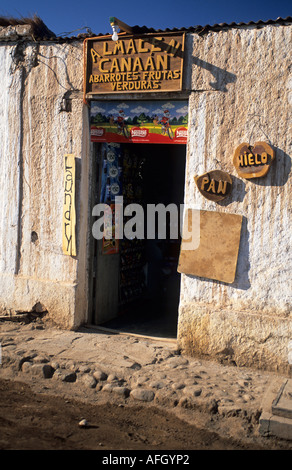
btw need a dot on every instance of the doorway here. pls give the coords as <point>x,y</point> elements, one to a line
<point>137,289</point>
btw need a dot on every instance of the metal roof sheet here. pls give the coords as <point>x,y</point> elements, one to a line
<point>198,29</point>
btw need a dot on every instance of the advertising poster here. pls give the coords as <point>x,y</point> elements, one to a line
<point>111,179</point>
<point>111,186</point>
<point>152,122</point>
<point>110,244</point>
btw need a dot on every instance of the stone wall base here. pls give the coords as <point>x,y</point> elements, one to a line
<point>25,294</point>
<point>247,339</point>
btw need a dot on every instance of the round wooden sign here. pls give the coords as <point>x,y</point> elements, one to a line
<point>253,161</point>
<point>214,185</point>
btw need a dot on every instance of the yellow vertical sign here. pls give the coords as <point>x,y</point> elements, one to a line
<point>69,212</point>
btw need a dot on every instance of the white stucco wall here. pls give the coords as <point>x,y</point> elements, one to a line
<point>242,93</point>
<point>35,134</point>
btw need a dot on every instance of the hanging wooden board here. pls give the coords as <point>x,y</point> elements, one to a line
<point>147,63</point>
<point>214,185</point>
<point>253,161</point>
<point>217,251</point>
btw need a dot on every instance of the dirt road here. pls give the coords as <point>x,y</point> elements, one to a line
<point>135,393</point>
<point>30,421</point>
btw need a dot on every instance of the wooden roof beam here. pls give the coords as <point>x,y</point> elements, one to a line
<point>121,25</point>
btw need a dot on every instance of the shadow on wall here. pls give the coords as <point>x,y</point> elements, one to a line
<point>78,168</point>
<point>237,193</point>
<point>243,265</point>
<point>278,175</point>
<point>221,76</point>
<point>279,172</point>
<point>65,68</point>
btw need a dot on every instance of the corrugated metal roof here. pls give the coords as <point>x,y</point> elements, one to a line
<point>216,27</point>
<point>260,23</point>
<point>201,30</point>
<point>198,29</point>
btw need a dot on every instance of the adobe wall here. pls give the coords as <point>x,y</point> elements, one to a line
<point>240,87</point>
<point>242,92</point>
<point>36,130</point>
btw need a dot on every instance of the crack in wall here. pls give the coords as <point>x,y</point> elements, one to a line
<point>22,62</point>
<point>20,173</point>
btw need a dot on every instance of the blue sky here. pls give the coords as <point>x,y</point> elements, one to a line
<point>68,16</point>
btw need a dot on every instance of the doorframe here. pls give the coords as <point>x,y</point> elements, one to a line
<point>94,175</point>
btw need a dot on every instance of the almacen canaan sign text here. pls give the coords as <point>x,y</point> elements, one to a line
<point>151,63</point>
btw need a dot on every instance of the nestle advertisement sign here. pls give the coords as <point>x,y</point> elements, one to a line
<point>153,122</point>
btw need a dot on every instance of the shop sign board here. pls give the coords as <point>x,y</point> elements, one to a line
<point>162,122</point>
<point>214,185</point>
<point>253,161</point>
<point>149,63</point>
<point>69,211</point>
